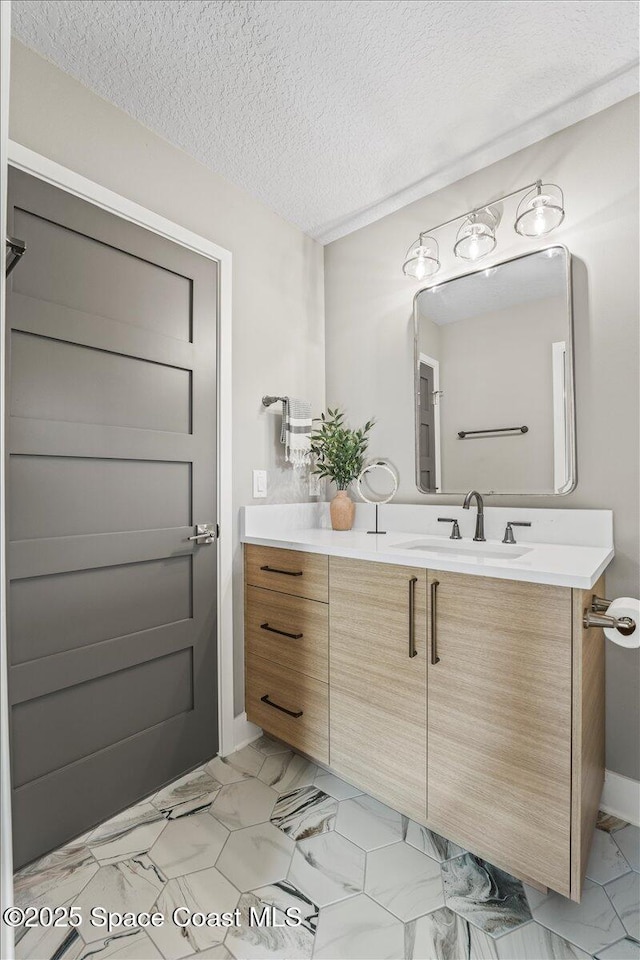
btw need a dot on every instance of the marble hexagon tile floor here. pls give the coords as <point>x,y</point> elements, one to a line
<point>265,827</point>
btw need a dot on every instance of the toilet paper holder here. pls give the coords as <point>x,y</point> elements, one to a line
<point>596,618</point>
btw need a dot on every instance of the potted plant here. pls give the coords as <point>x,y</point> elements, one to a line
<point>339,453</point>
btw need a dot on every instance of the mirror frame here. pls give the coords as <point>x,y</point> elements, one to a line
<point>570,400</point>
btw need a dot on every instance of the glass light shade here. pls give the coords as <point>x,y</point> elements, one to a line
<point>476,237</point>
<point>422,260</point>
<point>540,211</point>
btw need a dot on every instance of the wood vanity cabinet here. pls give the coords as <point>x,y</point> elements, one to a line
<point>499,720</point>
<point>473,705</point>
<point>286,646</point>
<point>378,680</point>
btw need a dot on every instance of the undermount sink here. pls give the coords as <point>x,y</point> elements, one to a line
<point>479,550</point>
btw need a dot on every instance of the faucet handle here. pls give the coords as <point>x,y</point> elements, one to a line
<point>508,533</point>
<point>455,530</point>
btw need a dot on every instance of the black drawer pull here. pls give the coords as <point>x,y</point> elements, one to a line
<point>287,573</point>
<point>282,633</point>
<point>434,622</point>
<point>412,609</point>
<point>291,713</point>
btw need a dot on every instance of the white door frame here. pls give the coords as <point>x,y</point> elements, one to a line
<point>39,166</point>
<point>6,850</point>
<point>435,366</point>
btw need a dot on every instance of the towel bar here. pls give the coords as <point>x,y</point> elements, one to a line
<point>510,431</point>
<point>267,401</point>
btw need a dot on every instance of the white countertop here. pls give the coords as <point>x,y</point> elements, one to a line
<point>563,564</point>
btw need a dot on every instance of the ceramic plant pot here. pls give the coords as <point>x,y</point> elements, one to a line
<point>343,511</point>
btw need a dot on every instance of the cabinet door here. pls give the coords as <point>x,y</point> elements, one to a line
<point>377,620</point>
<point>499,712</point>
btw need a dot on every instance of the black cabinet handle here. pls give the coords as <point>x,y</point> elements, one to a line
<point>282,633</point>
<point>287,573</point>
<point>412,626</point>
<point>276,706</point>
<point>434,621</point>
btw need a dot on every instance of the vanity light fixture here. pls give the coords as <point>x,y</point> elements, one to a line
<point>539,212</point>
<point>422,260</point>
<point>477,236</point>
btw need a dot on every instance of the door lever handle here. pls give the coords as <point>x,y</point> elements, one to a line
<point>205,533</point>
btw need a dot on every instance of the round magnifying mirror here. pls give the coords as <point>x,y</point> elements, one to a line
<point>369,486</point>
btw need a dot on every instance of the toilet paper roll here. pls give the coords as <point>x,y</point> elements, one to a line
<point>624,607</point>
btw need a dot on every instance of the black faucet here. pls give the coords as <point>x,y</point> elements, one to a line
<point>480,518</point>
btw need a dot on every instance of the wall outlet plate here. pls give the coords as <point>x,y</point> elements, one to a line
<point>314,485</point>
<point>259,484</point>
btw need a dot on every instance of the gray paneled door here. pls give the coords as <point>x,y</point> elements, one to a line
<point>112,440</point>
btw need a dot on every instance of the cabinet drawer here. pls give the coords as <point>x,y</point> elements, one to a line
<point>288,571</point>
<point>290,631</point>
<point>308,732</point>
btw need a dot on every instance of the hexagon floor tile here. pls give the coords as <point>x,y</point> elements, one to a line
<point>267,829</point>
<point>605,860</point>
<point>432,843</point>
<point>237,766</point>
<point>287,771</point>
<point>130,944</point>
<point>444,934</point>
<point>268,746</point>
<point>488,897</point>
<point>215,953</point>
<point>304,813</point>
<point>65,872</point>
<point>328,868</point>
<point>335,787</point>
<point>207,891</point>
<point>404,881</point>
<point>628,839</point>
<point>591,924</point>
<point>624,894</point>
<point>358,929</point>
<point>255,856</point>
<point>626,949</point>
<point>196,791</point>
<point>282,936</point>
<point>188,844</point>
<point>531,941</point>
<point>244,804</point>
<point>130,885</point>
<point>131,832</point>
<point>368,823</point>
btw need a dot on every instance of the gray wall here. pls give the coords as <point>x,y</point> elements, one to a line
<point>369,341</point>
<point>278,323</point>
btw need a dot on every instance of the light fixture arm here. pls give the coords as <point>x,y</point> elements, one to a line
<point>482,206</point>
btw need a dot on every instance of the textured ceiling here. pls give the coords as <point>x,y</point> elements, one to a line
<point>335,112</point>
<point>526,279</point>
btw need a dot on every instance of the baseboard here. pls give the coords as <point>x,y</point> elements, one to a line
<point>244,731</point>
<point>621,797</point>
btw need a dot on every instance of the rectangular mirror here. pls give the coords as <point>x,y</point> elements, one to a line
<point>494,392</point>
